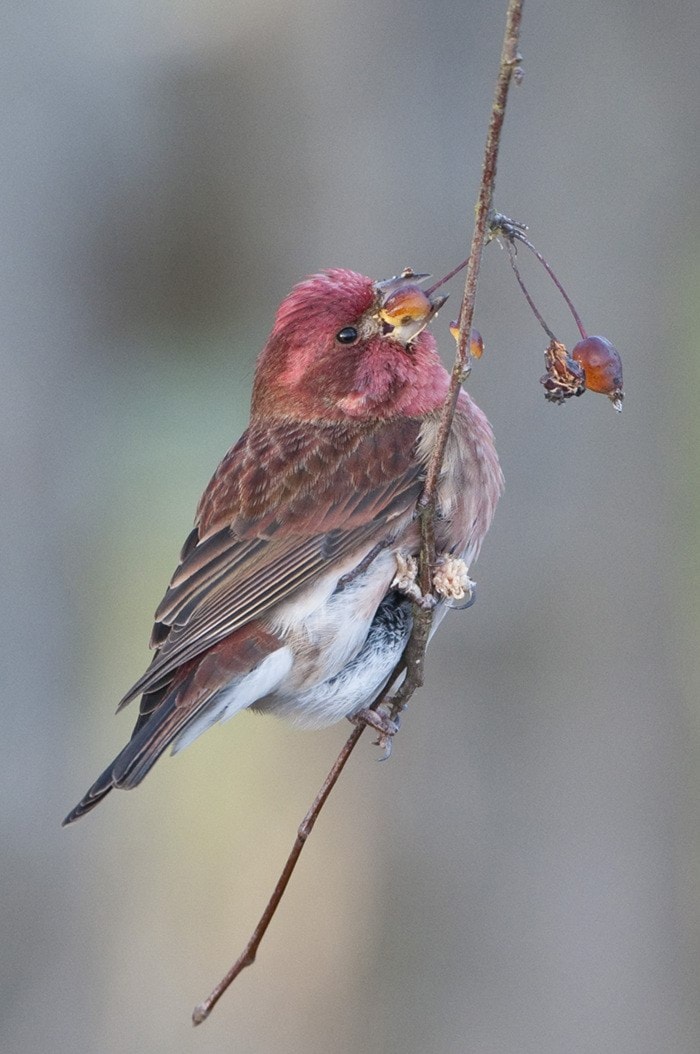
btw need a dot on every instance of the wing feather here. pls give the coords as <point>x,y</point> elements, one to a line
<point>284,504</point>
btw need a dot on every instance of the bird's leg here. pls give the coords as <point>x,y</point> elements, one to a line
<point>346,579</point>
<point>405,581</point>
<point>451,581</point>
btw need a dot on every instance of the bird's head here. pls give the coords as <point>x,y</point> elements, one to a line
<point>346,346</point>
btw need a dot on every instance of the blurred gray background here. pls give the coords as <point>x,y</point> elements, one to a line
<point>523,877</point>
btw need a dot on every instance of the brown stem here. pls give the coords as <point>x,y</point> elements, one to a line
<point>509,61</point>
<point>417,644</point>
<point>412,660</point>
<point>533,306</point>
<point>511,232</point>
<point>445,278</point>
<point>569,302</point>
<point>247,957</point>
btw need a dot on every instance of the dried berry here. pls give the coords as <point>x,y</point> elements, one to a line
<point>564,377</point>
<point>602,367</point>
<point>476,341</point>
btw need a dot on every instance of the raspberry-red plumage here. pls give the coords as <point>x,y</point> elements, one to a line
<point>320,491</point>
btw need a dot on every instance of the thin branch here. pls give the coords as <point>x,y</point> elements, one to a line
<point>422,621</point>
<point>511,231</point>
<point>247,956</point>
<point>569,303</point>
<point>533,306</point>
<point>510,60</point>
<point>413,658</point>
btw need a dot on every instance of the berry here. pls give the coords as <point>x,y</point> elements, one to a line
<point>405,305</point>
<point>602,367</point>
<point>476,341</point>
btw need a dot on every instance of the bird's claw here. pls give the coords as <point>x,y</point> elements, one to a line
<point>405,582</point>
<point>451,581</point>
<point>381,723</point>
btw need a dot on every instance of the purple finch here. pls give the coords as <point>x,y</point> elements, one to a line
<point>285,598</point>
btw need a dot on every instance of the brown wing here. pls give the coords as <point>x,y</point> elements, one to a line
<point>285,502</point>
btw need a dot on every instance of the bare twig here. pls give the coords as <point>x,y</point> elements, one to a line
<point>413,657</point>
<point>510,59</point>
<point>422,620</point>
<point>247,956</point>
<point>512,254</point>
<point>510,230</point>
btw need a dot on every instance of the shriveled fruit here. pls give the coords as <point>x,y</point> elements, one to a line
<point>564,377</point>
<point>602,367</point>
<point>476,341</point>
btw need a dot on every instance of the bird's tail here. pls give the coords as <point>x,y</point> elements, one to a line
<point>229,677</point>
<point>150,739</point>
<point>100,788</point>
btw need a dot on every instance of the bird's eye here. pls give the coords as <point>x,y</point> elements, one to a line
<point>348,335</point>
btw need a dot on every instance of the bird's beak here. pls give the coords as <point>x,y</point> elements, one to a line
<point>403,308</point>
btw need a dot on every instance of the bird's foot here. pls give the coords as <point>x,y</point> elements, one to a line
<point>381,723</point>
<point>405,581</point>
<point>451,581</point>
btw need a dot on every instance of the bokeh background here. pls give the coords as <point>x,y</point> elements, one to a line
<point>524,874</point>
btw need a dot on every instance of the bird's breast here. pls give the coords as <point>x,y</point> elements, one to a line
<point>327,624</point>
<point>471,480</point>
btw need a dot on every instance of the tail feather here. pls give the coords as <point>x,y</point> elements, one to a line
<point>228,677</point>
<point>142,751</point>
<point>100,788</point>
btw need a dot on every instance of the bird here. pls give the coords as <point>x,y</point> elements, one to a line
<point>286,598</point>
